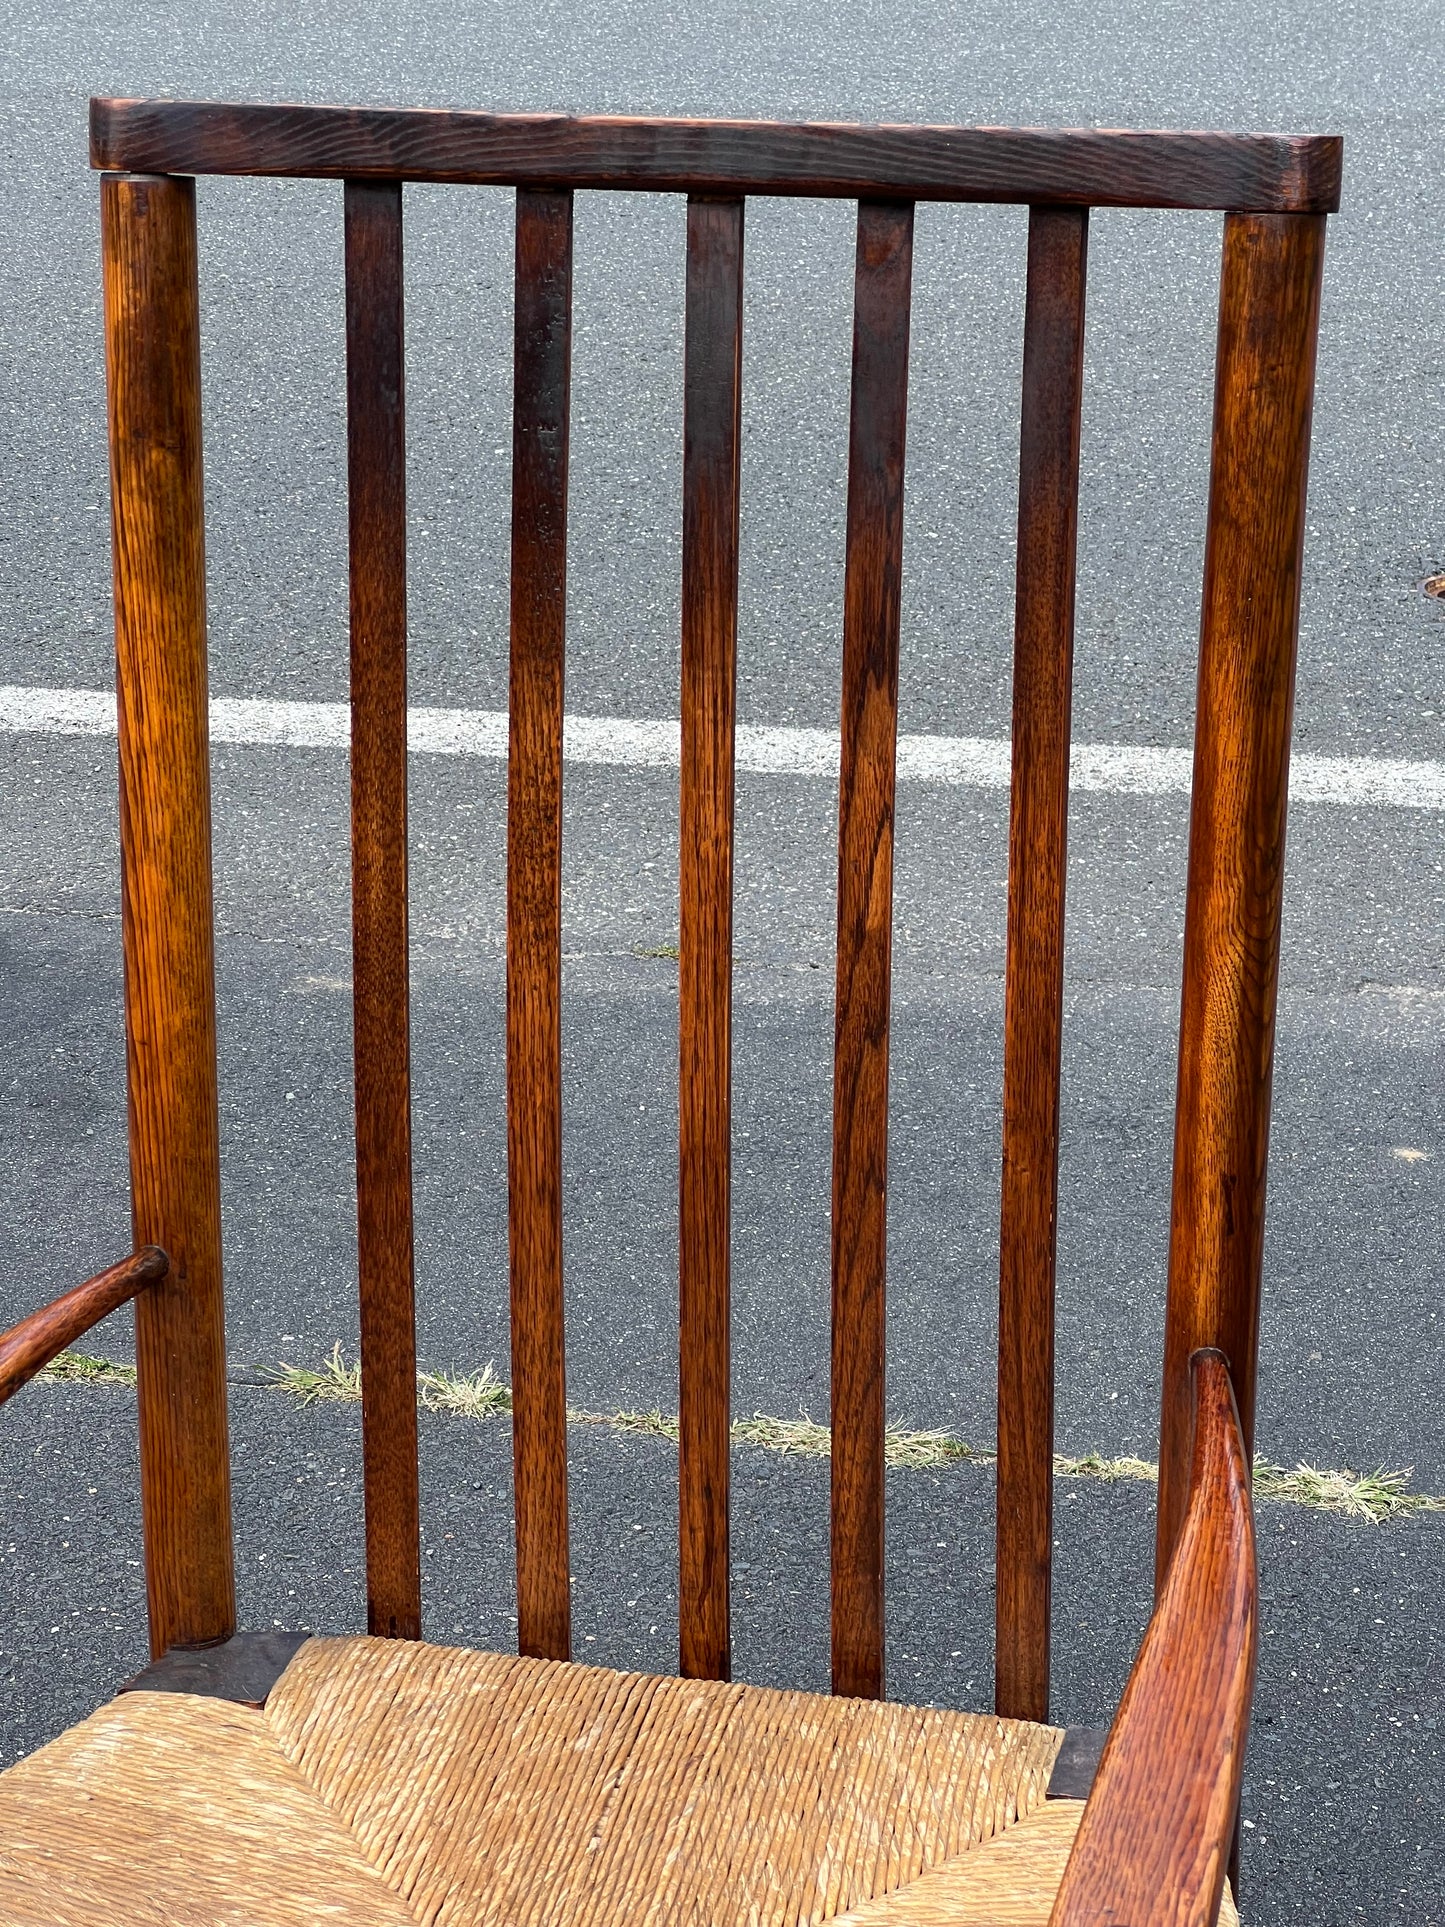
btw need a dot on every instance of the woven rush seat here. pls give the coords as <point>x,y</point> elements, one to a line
<point>390,1781</point>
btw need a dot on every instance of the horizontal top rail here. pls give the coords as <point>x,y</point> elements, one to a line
<point>1245,173</point>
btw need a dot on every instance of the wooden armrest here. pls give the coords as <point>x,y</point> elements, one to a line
<point>27,1348</point>
<point>1154,1842</point>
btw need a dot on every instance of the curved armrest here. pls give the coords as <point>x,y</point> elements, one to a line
<point>1154,1841</point>
<point>27,1348</point>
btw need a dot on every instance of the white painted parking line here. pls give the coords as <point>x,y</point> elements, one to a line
<point>978,762</point>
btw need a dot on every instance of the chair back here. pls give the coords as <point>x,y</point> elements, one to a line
<point>1275,193</point>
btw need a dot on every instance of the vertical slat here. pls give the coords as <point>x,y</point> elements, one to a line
<point>1264,387</point>
<point>153,368</point>
<point>711,421</point>
<point>376,448</point>
<point>1053,380</point>
<point>865,935</point>
<point>534,916</point>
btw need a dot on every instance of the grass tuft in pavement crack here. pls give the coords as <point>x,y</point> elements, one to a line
<point>482,1395</point>
<point>804,1437</point>
<point>1361,1495</point>
<point>1375,1496</point>
<point>336,1382</point>
<point>82,1368</point>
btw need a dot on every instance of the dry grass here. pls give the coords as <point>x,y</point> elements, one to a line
<point>81,1367</point>
<point>652,1425</point>
<point>1359,1495</point>
<point>805,1438</point>
<point>336,1382</point>
<point>482,1395</point>
<point>1093,1465</point>
<point>1376,1496</point>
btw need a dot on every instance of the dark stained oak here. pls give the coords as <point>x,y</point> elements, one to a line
<point>534,916</point>
<point>1154,1841</point>
<point>27,1348</point>
<point>1081,167</point>
<point>376,474</point>
<point>871,598</point>
<point>153,369</point>
<point>1268,322</point>
<point>1053,382</point>
<point>712,400</point>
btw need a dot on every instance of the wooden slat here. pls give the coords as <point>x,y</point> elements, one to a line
<point>711,422</point>
<point>1080,167</point>
<point>865,935</point>
<point>1053,382</point>
<point>534,916</point>
<point>1154,1841</point>
<point>27,1348</point>
<point>376,449</point>
<point>1268,323</point>
<point>153,368</point>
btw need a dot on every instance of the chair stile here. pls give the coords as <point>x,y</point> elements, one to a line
<point>1269,309</point>
<point>153,370</point>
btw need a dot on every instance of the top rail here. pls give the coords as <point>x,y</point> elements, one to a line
<point>1254,173</point>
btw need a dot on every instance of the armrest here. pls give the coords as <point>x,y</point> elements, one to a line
<point>1154,1842</point>
<point>27,1348</point>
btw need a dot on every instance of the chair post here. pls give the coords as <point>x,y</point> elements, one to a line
<point>1268,323</point>
<point>153,369</point>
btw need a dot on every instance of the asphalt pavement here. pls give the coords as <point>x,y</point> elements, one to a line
<point>1347,1821</point>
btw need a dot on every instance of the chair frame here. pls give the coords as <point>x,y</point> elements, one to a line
<point>1275,193</point>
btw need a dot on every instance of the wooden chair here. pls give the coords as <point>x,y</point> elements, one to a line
<point>382,1779</point>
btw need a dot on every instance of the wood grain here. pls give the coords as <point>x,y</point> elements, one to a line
<point>1079,167</point>
<point>153,369</point>
<point>27,1348</point>
<point>712,404</point>
<point>1268,323</point>
<point>865,935</point>
<point>543,320</point>
<point>1154,1841</point>
<point>376,474</point>
<point>1053,383</point>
